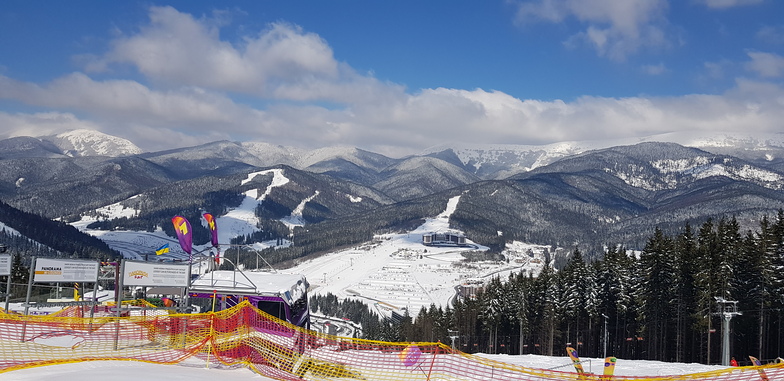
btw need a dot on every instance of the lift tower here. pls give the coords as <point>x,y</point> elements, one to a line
<point>727,310</point>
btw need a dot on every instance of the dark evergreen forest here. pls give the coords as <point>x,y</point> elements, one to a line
<point>58,238</point>
<point>657,304</point>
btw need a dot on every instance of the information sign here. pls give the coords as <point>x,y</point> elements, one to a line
<point>65,270</point>
<point>5,264</point>
<point>155,274</point>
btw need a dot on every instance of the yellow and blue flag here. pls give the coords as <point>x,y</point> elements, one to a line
<point>162,249</point>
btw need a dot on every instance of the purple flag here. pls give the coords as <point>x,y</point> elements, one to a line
<point>183,229</point>
<point>213,228</point>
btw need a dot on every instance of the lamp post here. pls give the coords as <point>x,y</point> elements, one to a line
<point>605,336</point>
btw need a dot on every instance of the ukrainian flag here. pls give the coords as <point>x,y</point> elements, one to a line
<point>162,249</point>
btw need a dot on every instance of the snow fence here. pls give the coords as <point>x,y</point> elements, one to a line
<point>245,336</point>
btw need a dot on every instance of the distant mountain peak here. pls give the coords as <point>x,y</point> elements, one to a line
<point>348,153</point>
<point>83,142</point>
<point>498,161</point>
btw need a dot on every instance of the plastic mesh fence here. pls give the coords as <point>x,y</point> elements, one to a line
<point>245,336</point>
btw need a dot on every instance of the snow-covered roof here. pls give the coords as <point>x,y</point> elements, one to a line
<point>450,232</point>
<point>288,286</point>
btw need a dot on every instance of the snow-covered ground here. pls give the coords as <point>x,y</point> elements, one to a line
<point>242,220</point>
<point>9,230</point>
<point>391,272</point>
<point>131,244</point>
<point>394,272</point>
<point>135,245</point>
<point>134,371</point>
<point>596,365</point>
<point>397,271</point>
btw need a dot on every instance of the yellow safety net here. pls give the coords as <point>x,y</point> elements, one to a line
<point>246,336</point>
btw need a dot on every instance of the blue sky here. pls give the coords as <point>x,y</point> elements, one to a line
<point>392,77</point>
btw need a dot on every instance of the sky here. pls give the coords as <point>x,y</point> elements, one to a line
<point>391,77</point>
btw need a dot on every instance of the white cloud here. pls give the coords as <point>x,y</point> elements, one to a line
<point>771,34</point>
<point>403,125</point>
<point>439,115</point>
<point>614,28</point>
<point>131,110</point>
<point>280,62</point>
<point>715,70</point>
<point>768,65</point>
<point>41,124</point>
<point>125,99</point>
<point>657,69</point>
<point>177,48</point>
<point>724,4</point>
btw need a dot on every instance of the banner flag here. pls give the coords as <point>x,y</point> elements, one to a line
<point>213,228</point>
<point>184,234</point>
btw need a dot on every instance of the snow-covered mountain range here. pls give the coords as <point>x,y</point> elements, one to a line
<point>504,160</point>
<point>567,192</point>
<point>485,161</point>
<point>92,143</point>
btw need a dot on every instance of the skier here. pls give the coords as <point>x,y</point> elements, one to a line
<point>734,362</point>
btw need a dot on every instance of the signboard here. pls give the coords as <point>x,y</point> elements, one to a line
<point>5,264</point>
<point>154,274</point>
<point>65,270</point>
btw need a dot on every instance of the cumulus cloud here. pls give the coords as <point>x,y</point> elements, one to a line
<point>175,109</point>
<point>177,48</point>
<point>156,120</point>
<point>724,4</point>
<point>123,99</point>
<point>41,124</point>
<point>615,29</point>
<point>280,62</point>
<point>768,65</point>
<point>480,116</point>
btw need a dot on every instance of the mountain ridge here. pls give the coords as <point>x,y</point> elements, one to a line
<point>590,197</point>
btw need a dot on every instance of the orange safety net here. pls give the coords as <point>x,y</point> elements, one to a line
<point>246,336</point>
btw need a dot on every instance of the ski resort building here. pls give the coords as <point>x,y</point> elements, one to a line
<point>470,288</point>
<point>444,239</point>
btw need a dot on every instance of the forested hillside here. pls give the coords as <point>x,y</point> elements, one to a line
<point>44,237</point>
<point>348,230</point>
<point>659,304</point>
<point>585,199</point>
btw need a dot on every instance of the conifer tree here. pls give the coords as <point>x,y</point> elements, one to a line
<point>707,284</point>
<point>752,282</point>
<point>686,294</point>
<point>655,295</point>
<point>578,298</point>
<point>20,276</point>
<point>544,314</point>
<point>728,235</point>
<point>492,311</point>
<point>613,280</point>
<point>466,320</point>
<point>773,244</point>
<point>519,303</point>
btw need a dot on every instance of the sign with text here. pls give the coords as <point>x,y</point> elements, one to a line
<point>5,264</point>
<point>65,270</point>
<point>155,274</point>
